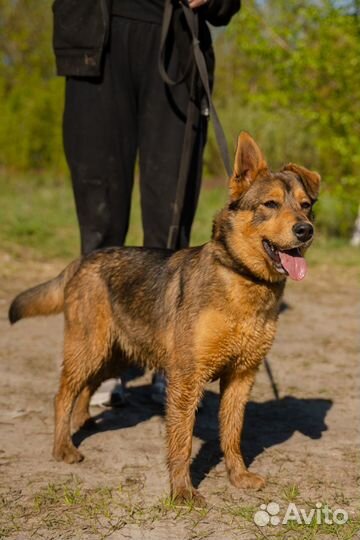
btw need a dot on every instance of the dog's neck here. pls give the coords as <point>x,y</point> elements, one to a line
<point>224,254</point>
<point>225,258</point>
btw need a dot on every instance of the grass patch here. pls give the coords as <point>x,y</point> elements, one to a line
<point>38,216</point>
<point>61,507</point>
<point>291,493</point>
<point>38,212</point>
<point>333,251</point>
<point>67,509</point>
<point>72,510</point>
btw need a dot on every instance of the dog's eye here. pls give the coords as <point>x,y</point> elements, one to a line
<point>305,205</point>
<point>271,204</point>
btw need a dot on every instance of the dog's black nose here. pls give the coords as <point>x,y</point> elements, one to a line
<point>303,231</point>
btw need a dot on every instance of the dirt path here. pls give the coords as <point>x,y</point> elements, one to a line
<point>305,443</point>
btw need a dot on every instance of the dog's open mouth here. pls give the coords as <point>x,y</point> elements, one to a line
<point>288,261</point>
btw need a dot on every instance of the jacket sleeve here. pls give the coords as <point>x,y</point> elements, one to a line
<point>219,12</point>
<point>80,33</point>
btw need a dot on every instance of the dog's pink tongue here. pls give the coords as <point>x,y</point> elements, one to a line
<point>295,266</point>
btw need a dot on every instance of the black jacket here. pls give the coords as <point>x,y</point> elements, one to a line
<point>81,29</point>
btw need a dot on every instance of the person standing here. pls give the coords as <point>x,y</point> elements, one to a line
<point>118,106</point>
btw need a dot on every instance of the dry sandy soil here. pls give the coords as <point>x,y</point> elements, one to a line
<point>306,443</point>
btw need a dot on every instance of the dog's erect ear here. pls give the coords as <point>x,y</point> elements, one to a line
<point>249,161</point>
<point>310,179</point>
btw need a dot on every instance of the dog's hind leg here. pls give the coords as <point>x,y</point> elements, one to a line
<point>70,388</point>
<point>85,354</point>
<point>81,417</point>
<point>235,390</point>
<point>183,397</point>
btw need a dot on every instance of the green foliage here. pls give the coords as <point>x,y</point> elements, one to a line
<point>31,98</point>
<point>288,72</point>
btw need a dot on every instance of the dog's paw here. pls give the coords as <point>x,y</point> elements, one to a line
<point>69,454</point>
<point>246,480</point>
<point>189,496</point>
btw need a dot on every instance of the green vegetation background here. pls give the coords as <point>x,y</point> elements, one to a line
<point>288,72</point>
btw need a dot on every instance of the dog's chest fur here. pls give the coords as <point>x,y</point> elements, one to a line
<point>240,330</point>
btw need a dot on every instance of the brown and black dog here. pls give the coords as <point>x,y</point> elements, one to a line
<point>198,314</point>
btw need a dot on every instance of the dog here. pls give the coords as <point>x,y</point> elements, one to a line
<point>199,314</point>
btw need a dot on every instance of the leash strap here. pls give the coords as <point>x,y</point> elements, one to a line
<point>191,20</point>
<point>186,156</point>
<point>165,29</point>
<point>189,138</point>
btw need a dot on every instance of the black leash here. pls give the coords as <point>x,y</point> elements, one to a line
<point>192,22</point>
<point>192,112</point>
<point>271,378</point>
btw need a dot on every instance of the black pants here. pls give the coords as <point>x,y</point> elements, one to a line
<point>108,120</point>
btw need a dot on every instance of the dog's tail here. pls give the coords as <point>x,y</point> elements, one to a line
<point>44,299</point>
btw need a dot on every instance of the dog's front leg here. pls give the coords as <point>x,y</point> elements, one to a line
<point>183,396</point>
<point>235,389</point>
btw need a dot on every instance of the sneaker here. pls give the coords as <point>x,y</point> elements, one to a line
<point>110,394</point>
<point>158,389</point>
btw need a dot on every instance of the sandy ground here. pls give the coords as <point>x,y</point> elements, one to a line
<point>306,443</point>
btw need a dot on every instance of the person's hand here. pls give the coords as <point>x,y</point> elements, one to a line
<point>193,4</point>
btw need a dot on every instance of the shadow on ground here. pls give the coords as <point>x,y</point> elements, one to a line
<point>266,424</point>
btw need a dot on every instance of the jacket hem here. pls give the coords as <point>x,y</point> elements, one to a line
<point>83,63</point>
